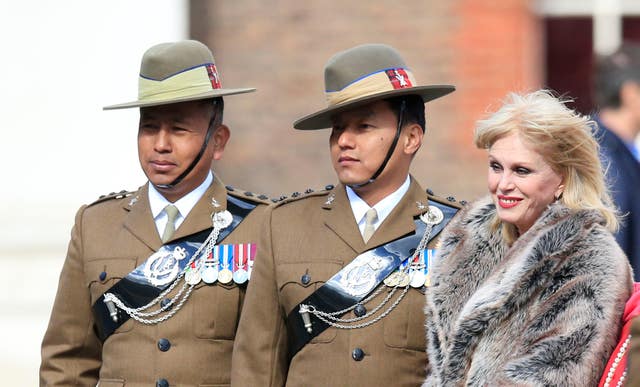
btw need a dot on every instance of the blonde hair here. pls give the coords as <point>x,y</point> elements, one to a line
<point>565,141</point>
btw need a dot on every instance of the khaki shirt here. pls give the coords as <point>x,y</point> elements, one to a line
<point>317,236</point>
<point>115,236</point>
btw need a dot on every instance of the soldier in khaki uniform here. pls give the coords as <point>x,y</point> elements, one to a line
<point>152,287</point>
<point>337,292</point>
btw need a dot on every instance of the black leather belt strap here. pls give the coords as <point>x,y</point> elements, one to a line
<point>331,299</point>
<point>136,290</point>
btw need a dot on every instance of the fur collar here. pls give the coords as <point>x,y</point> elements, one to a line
<point>490,303</point>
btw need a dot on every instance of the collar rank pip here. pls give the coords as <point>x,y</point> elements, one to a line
<point>397,263</point>
<point>175,269</point>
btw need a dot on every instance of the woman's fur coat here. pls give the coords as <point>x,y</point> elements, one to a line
<point>544,312</point>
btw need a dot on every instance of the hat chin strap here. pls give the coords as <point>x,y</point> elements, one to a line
<point>389,152</point>
<point>195,161</point>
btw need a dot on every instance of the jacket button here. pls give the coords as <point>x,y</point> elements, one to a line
<point>162,383</point>
<point>306,278</point>
<point>164,345</point>
<point>102,276</point>
<point>360,310</point>
<point>357,354</point>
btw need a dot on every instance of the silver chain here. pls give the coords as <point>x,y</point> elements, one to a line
<point>330,318</point>
<point>138,314</point>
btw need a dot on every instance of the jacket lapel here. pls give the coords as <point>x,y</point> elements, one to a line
<point>339,218</point>
<point>141,224</point>
<point>399,222</point>
<point>200,216</point>
<point>139,221</point>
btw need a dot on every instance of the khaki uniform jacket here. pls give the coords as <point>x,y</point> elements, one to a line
<point>633,365</point>
<point>115,236</point>
<point>318,236</point>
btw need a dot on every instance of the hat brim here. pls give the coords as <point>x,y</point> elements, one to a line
<point>195,97</point>
<point>322,118</point>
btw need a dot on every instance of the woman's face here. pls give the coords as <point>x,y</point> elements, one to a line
<point>521,183</point>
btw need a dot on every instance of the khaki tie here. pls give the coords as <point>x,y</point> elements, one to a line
<point>369,219</point>
<point>170,228</point>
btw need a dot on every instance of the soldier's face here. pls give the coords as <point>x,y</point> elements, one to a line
<point>360,139</point>
<point>169,139</point>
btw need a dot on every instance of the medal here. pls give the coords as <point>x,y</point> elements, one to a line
<point>225,275</point>
<point>398,278</point>
<point>209,272</point>
<point>393,279</point>
<point>417,273</point>
<point>192,275</point>
<point>240,274</point>
<point>404,280</point>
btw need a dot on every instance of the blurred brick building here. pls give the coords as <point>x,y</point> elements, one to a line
<point>483,47</point>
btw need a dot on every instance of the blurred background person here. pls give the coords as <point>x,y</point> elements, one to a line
<point>529,285</point>
<point>617,91</point>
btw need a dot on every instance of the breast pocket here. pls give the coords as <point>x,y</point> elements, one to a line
<point>216,310</point>
<point>404,327</point>
<point>299,280</point>
<point>101,274</point>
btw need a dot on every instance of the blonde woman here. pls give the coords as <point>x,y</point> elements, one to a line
<point>529,284</point>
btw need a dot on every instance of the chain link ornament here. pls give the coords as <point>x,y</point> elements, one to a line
<point>432,217</point>
<point>220,220</point>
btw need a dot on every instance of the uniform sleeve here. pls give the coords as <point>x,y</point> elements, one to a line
<point>71,353</point>
<point>576,323</point>
<point>260,349</point>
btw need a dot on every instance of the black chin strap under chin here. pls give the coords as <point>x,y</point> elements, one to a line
<point>389,152</point>
<point>196,160</point>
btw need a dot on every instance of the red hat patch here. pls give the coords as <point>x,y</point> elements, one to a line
<point>399,78</point>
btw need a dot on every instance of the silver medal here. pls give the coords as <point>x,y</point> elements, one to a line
<point>209,273</point>
<point>240,276</point>
<point>417,278</point>
<point>222,219</point>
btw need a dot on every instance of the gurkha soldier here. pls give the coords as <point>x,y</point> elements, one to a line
<point>153,283</point>
<point>337,292</point>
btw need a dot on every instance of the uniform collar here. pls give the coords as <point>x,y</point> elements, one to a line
<point>383,207</point>
<point>185,204</point>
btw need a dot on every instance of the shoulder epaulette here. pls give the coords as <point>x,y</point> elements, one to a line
<point>448,201</point>
<point>247,195</point>
<point>112,196</point>
<point>295,196</point>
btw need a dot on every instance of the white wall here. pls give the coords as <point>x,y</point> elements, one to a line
<point>61,62</point>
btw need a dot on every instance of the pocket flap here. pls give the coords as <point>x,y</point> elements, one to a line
<point>306,274</point>
<point>113,268</point>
